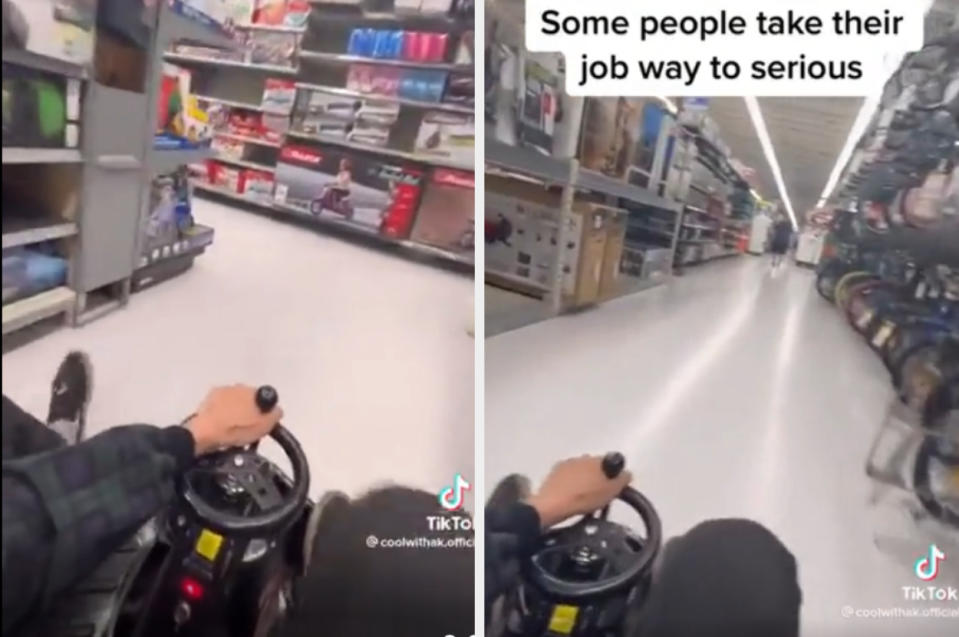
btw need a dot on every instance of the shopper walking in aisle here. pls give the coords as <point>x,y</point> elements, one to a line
<point>722,578</point>
<point>782,232</point>
<point>69,503</point>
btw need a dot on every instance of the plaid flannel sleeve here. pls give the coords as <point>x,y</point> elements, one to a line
<point>66,510</point>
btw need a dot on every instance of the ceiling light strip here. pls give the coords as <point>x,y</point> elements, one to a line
<point>759,123</point>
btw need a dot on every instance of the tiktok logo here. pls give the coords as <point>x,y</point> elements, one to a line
<point>451,498</point>
<point>927,567</point>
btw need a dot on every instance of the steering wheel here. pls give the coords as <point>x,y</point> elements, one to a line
<point>241,470</point>
<point>595,557</point>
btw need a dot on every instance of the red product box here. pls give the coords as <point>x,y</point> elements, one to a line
<point>225,177</point>
<point>436,47</point>
<point>256,184</point>
<point>246,124</point>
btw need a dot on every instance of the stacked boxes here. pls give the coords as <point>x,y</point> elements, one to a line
<point>523,235</point>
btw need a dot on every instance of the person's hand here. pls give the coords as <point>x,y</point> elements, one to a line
<point>229,417</point>
<point>576,487</point>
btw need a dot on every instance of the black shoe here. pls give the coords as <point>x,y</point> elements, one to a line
<point>70,396</point>
<point>510,490</point>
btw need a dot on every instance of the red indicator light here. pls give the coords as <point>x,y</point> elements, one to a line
<point>191,588</point>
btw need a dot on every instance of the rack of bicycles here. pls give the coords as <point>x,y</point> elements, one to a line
<point>903,179</point>
<point>908,313</point>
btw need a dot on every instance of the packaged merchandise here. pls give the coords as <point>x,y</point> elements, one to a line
<point>448,135</point>
<point>538,95</point>
<point>368,133</point>
<point>407,6</point>
<point>228,148</point>
<point>445,218</point>
<point>246,124</point>
<point>62,29</point>
<point>30,271</point>
<point>422,86</point>
<point>435,6</point>
<point>256,185</point>
<point>237,54</point>
<point>363,188</point>
<point>226,177</point>
<point>297,13</point>
<point>609,280</point>
<point>170,212</point>
<point>272,48</point>
<point>181,122</point>
<point>222,13</point>
<point>278,95</point>
<point>270,12</point>
<point>40,110</point>
<point>274,126</point>
<point>609,134</point>
<point>367,79</point>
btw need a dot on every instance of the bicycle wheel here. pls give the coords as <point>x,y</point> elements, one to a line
<point>839,296</point>
<point>936,475</point>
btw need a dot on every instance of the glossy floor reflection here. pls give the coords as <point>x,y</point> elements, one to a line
<point>369,351</point>
<point>732,393</point>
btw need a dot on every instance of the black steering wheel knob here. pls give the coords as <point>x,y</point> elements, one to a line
<point>613,464</point>
<point>266,399</point>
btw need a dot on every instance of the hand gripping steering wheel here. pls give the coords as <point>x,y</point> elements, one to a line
<point>241,469</point>
<point>595,557</point>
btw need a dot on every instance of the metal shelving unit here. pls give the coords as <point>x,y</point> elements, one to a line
<point>340,224</point>
<point>274,69</point>
<point>342,92</point>
<point>382,150</point>
<point>344,58</point>
<point>23,232</point>
<point>13,155</point>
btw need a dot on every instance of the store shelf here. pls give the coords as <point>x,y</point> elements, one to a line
<point>433,251</point>
<point>248,140</point>
<point>515,283</point>
<point>236,104</point>
<point>28,59</point>
<point>20,232</point>
<point>223,192</point>
<point>41,306</point>
<point>244,163</point>
<point>557,171</point>
<point>382,150</point>
<point>167,160</point>
<point>353,14</point>
<point>345,58</point>
<point>435,106</point>
<point>14,155</point>
<point>183,58</point>
<point>333,222</point>
<point>274,28</point>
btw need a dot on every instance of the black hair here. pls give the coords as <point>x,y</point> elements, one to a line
<point>353,590</point>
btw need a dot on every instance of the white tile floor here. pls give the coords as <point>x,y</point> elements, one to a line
<point>369,351</point>
<point>733,394</point>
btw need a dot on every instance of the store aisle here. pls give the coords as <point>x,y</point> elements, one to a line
<point>733,393</point>
<point>368,351</point>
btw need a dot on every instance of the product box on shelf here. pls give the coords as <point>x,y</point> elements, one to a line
<point>270,12</point>
<point>538,99</point>
<point>246,124</point>
<point>272,48</point>
<point>30,271</point>
<point>363,188</point>
<point>448,135</point>
<point>256,185</point>
<point>181,122</point>
<point>609,283</point>
<point>445,217</point>
<point>523,236</point>
<point>361,121</point>
<point>62,29</point>
<point>275,126</point>
<point>170,211</point>
<point>228,148</point>
<point>40,110</point>
<point>610,134</point>
<point>226,177</point>
<point>224,13</point>
<point>278,95</point>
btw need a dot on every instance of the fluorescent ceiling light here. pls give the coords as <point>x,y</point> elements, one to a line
<point>752,105</point>
<point>869,106</point>
<point>668,103</point>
